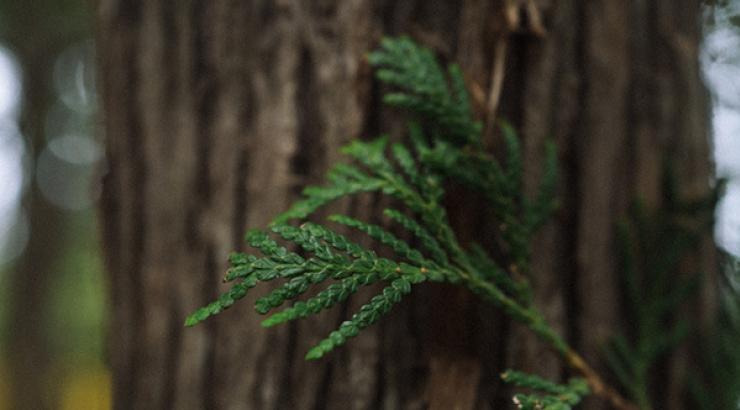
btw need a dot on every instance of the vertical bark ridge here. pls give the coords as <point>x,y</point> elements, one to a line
<point>137,226</point>
<point>190,376</point>
<point>644,112</point>
<point>648,114</point>
<point>172,358</point>
<point>123,228</point>
<point>603,133</point>
<point>204,382</point>
<point>576,131</point>
<point>286,401</point>
<point>380,369</point>
<point>480,30</point>
<point>203,72</point>
<point>322,393</point>
<point>563,122</point>
<point>541,58</point>
<point>252,381</point>
<point>173,355</point>
<point>151,381</point>
<point>307,161</point>
<point>688,154</point>
<point>228,60</point>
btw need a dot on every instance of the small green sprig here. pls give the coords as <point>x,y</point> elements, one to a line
<point>519,217</point>
<point>424,89</point>
<point>333,257</point>
<point>551,396</point>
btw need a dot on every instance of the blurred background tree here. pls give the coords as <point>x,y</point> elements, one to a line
<point>52,292</point>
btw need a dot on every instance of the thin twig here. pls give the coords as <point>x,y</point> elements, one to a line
<point>498,68</point>
<point>537,324</point>
<point>598,385</point>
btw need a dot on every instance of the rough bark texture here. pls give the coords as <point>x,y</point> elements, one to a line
<point>216,113</point>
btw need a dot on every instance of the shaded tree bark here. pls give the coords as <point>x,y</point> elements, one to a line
<point>217,113</point>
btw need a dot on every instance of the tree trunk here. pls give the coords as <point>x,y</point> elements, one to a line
<point>217,113</point>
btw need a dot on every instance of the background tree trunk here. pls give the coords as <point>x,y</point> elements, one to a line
<point>217,113</point>
<point>30,350</point>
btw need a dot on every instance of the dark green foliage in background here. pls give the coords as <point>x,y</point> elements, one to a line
<point>653,244</point>
<point>716,383</point>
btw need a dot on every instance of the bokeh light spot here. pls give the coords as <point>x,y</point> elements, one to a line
<point>10,78</point>
<point>65,184</point>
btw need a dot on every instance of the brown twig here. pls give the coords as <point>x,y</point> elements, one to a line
<point>598,386</point>
<point>512,23</point>
<point>498,68</point>
<point>537,323</point>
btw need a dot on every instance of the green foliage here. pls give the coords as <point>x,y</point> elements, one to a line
<point>424,89</point>
<point>445,146</point>
<point>333,256</point>
<point>451,149</point>
<point>414,178</point>
<point>551,396</point>
<point>519,217</point>
<point>652,246</point>
<point>717,385</point>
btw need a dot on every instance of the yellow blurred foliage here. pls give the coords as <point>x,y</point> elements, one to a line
<point>86,388</point>
<point>4,388</point>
